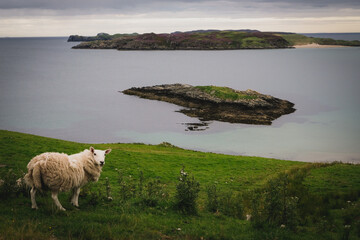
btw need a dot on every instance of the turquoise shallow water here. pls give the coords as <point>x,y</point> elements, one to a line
<point>49,89</point>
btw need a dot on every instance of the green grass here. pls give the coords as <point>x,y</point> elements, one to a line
<point>298,39</point>
<point>117,219</point>
<point>331,179</point>
<point>330,41</point>
<point>234,36</point>
<point>225,93</point>
<point>254,42</point>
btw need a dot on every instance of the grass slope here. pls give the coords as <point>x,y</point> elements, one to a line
<point>298,39</point>
<point>119,219</point>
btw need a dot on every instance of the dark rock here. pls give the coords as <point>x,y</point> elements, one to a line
<point>77,38</point>
<point>202,126</point>
<point>257,109</point>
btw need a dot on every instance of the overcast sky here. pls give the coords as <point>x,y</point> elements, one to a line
<point>89,17</point>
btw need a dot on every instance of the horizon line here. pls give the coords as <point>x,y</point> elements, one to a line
<point>176,31</point>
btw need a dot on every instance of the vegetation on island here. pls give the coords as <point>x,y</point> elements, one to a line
<point>298,39</point>
<point>203,40</point>
<point>164,192</point>
<point>213,40</point>
<point>99,36</point>
<point>226,93</point>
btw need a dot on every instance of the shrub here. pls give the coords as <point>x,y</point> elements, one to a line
<point>141,183</point>
<point>92,195</point>
<point>278,203</point>
<point>212,203</point>
<point>12,183</point>
<point>127,186</point>
<point>227,203</point>
<point>154,193</point>
<point>231,204</point>
<point>351,220</point>
<point>149,193</point>
<point>256,206</point>
<point>108,189</point>
<point>187,191</point>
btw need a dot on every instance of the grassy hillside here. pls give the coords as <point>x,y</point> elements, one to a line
<point>143,182</point>
<point>219,40</point>
<point>202,40</point>
<point>298,39</point>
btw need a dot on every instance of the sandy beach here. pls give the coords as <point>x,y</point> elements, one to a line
<point>315,45</point>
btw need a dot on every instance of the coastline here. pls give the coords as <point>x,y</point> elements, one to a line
<point>315,45</point>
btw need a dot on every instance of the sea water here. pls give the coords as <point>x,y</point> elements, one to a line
<point>49,89</point>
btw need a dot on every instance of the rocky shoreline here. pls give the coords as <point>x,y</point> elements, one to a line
<point>251,108</point>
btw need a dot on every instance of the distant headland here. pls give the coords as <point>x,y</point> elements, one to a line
<point>218,103</point>
<point>203,40</point>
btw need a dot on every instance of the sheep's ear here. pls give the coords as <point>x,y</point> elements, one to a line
<point>107,151</point>
<point>92,150</point>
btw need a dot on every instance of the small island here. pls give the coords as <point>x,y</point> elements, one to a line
<point>218,103</point>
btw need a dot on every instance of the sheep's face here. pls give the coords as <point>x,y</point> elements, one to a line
<point>99,155</point>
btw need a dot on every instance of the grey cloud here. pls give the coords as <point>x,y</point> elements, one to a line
<point>65,4</point>
<point>135,4</point>
<point>318,3</point>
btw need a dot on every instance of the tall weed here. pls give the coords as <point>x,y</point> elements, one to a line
<point>187,192</point>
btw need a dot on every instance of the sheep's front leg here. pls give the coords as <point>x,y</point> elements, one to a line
<point>33,202</point>
<point>54,196</point>
<point>75,197</point>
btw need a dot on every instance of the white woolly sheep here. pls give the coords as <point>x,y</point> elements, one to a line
<point>59,172</point>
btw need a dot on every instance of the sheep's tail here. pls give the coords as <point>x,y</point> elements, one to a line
<point>33,177</point>
<point>28,178</point>
<point>37,176</point>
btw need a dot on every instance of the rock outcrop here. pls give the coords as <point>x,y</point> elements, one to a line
<point>250,107</point>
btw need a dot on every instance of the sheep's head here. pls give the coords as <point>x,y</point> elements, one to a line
<point>99,155</point>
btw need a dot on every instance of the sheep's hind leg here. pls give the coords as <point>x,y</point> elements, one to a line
<point>54,196</point>
<point>33,202</point>
<point>75,197</point>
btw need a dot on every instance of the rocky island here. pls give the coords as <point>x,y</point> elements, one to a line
<point>218,103</point>
<point>203,40</point>
<point>194,40</point>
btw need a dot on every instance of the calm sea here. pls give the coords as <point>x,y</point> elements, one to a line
<point>49,89</point>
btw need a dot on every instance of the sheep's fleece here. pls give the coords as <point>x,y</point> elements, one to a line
<point>60,172</point>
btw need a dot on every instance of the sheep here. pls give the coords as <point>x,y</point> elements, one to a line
<point>59,172</point>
